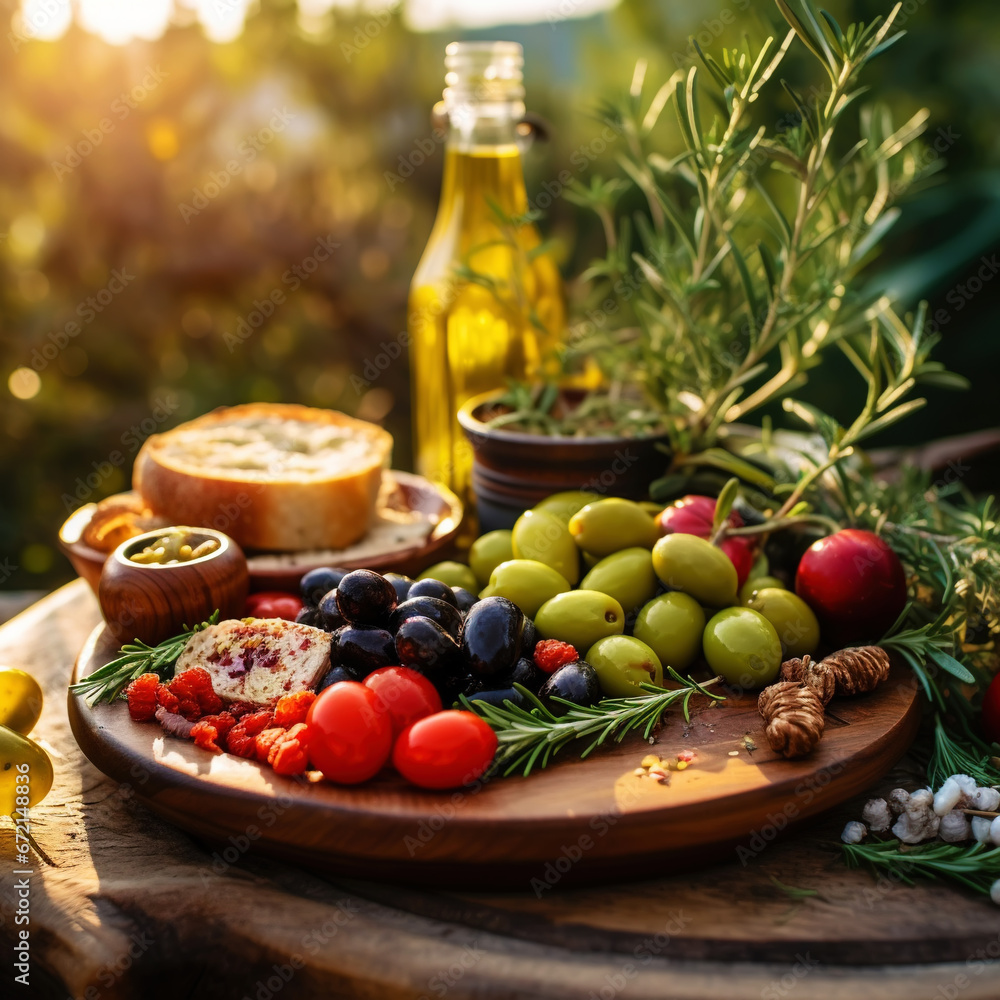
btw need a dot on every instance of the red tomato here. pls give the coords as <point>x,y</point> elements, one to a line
<point>273,604</point>
<point>348,733</point>
<point>406,694</point>
<point>694,515</point>
<point>445,750</point>
<point>855,583</point>
<point>991,711</point>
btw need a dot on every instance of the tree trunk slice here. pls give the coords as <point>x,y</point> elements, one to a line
<point>138,909</point>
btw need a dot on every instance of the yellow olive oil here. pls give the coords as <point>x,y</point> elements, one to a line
<point>486,302</point>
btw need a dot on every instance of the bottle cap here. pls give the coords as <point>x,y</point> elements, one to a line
<point>483,73</point>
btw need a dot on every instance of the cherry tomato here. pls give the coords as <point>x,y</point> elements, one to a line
<point>273,604</point>
<point>855,583</point>
<point>406,694</point>
<point>445,750</point>
<point>348,733</point>
<point>694,515</point>
<point>991,711</point>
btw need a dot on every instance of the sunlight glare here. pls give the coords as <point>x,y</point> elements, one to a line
<point>119,21</point>
<point>45,19</point>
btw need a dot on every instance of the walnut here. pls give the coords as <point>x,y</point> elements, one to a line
<point>807,671</point>
<point>793,714</point>
<point>857,669</point>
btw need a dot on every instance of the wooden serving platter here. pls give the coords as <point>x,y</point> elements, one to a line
<point>577,821</point>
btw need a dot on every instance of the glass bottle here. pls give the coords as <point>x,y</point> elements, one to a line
<point>485,304</point>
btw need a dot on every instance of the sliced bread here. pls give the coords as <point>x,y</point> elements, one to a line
<point>277,477</point>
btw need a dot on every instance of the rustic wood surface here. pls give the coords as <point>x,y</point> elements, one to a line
<point>135,908</point>
<point>597,820</point>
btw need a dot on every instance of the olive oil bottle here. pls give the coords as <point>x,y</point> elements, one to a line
<point>486,301</point>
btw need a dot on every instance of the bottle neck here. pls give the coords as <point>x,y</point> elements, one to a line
<point>483,161</point>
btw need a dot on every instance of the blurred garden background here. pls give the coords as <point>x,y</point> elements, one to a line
<point>166,166</point>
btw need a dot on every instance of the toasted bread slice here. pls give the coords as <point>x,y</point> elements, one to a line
<point>258,661</point>
<point>276,477</point>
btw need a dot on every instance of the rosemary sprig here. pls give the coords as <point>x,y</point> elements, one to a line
<point>977,867</point>
<point>530,737</point>
<point>135,658</point>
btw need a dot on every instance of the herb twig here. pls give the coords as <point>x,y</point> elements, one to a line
<point>531,737</point>
<point>108,682</point>
<point>977,867</point>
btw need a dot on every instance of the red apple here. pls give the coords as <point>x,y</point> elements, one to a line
<point>855,583</point>
<point>694,515</point>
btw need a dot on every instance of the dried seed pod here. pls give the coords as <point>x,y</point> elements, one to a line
<point>794,717</point>
<point>808,671</point>
<point>857,669</point>
<point>877,816</point>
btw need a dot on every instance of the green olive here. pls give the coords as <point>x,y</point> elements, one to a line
<point>526,582</point>
<point>742,646</point>
<point>696,567</point>
<point>627,576</point>
<point>25,771</point>
<point>20,700</point>
<point>542,536</point>
<point>623,663</point>
<point>565,505</point>
<point>452,574</point>
<point>611,525</point>
<point>792,618</point>
<point>487,552</point>
<point>671,625</point>
<point>758,583</point>
<point>580,618</point>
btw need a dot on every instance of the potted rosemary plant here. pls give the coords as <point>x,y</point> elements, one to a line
<point>739,275</point>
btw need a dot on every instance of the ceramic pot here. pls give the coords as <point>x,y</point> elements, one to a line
<point>513,470</point>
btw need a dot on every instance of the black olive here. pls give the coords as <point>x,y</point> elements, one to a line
<point>328,614</point>
<point>527,674</point>
<point>449,618</point>
<point>433,588</point>
<point>425,646</point>
<point>361,649</point>
<point>401,584</point>
<point>310,616</point>
<point>576,682</point>
<point>464,599</point>
<point>529,637</point>
<point>320,581</point>
<point>333,675</point>
<point>365,597</point>
<point>491,639</point>
<point>498,697</point>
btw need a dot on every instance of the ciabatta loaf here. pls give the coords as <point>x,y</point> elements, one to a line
<point>258,661</point>
<point>273,476</point>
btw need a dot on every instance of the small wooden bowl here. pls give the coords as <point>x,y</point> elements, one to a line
<point>152,602</point>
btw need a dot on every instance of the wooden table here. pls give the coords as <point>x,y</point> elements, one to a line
<point>136,909</point>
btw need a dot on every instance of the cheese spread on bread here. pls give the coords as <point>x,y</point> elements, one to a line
<point>260,660</point>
